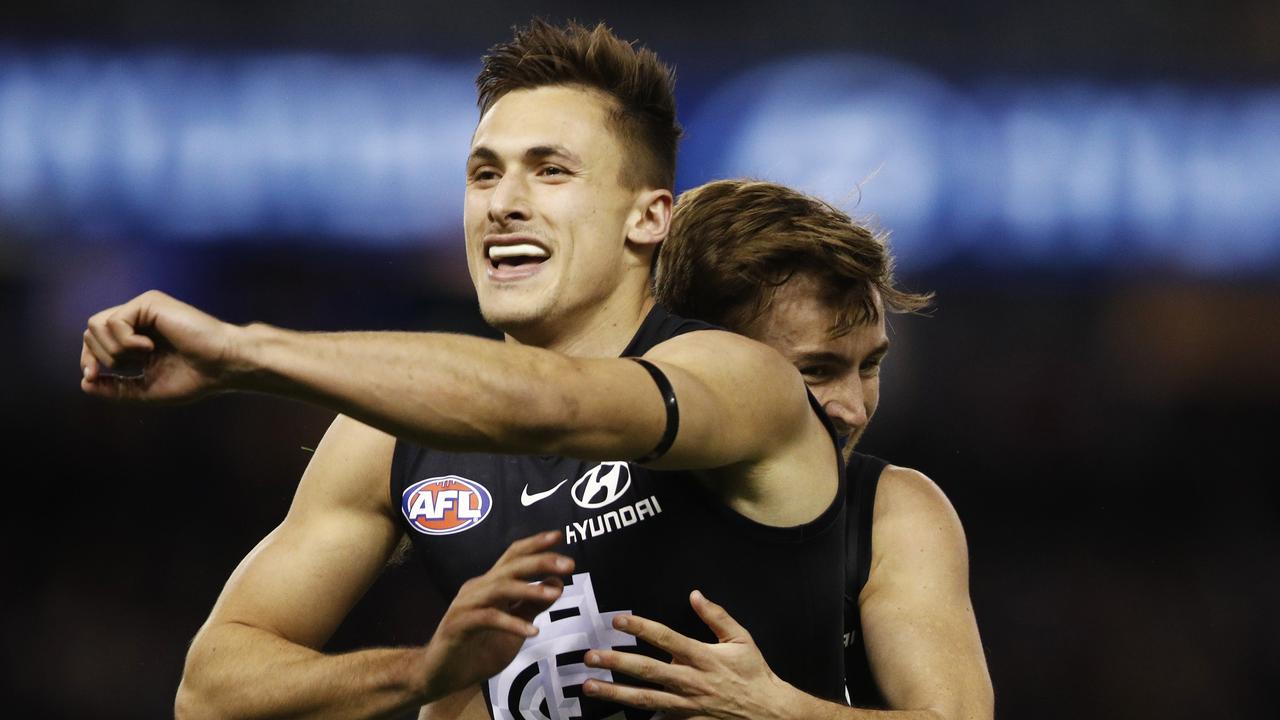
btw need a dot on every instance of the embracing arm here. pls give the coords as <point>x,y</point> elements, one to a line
<point>467,704</point>
<point>467,394</point>
<point>917,621</point>
<point>258,653</point>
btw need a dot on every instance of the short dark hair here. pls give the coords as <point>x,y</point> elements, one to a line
<point>640,85</point>
<point>734,242</point>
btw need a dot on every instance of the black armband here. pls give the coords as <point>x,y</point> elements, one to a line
<point>673,412</point>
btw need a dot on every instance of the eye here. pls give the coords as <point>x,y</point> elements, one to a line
<point>553,171</point>
<point>815,373</point>
<point>483,175</point>
<point>871,367</point>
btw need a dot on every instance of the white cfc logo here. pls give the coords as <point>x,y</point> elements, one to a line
<point>602,484</point>
<point>535,666</point>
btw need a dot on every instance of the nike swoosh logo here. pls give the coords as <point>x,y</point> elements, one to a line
<point>527,498</point>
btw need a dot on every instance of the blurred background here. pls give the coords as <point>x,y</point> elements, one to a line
<point>1092,189</point>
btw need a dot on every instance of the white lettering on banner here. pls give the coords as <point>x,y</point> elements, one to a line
<point>588,629</point>
<point>625,516</point>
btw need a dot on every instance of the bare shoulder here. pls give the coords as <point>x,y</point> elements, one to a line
<point>750,379</point>
<point>917,618</point>
<point>721,346</point>
<point>909,496</point>
<point>915,527</point>
<point>351,468</point>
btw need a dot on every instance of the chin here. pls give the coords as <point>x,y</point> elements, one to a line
<point>513,317</point>
<point>850,443</point>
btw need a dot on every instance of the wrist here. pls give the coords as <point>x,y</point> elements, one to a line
<point>415,676</point>
<point>790,703</point>
<point>247,361</point>
<point>777,700</point>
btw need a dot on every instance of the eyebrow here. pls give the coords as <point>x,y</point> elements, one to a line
<point>535,154</point>
<point>880,349</point>
<point>821,356</point>
<point>482,154</point>
<point>825,356</point>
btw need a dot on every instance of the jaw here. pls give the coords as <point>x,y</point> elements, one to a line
<point>514,305</point>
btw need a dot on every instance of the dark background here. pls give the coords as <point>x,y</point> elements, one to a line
<point>1102,429</point>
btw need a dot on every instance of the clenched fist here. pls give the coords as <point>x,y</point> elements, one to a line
<point>156,348</point>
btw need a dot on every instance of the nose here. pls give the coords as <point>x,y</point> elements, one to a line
<point>509,200</point>
<point>846,405</point>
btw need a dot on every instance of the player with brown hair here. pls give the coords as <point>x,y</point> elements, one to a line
<point>800,275</point>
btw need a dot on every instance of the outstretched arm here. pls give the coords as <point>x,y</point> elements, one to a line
<point>462,393</point>
<point>917,619</point>
<point>258,653</point>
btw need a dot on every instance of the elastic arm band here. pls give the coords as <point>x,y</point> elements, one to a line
<point>673,412</point>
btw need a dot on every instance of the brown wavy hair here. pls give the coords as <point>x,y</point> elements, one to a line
<point>639,84</point>
<point>734,242</point>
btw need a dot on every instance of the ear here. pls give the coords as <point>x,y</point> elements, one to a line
<point>650,218</point>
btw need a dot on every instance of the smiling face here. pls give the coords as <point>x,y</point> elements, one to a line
<point>842,372</point>
<point>547,216</point>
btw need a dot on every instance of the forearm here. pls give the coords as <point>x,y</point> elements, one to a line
<point>237,671</point>
<point>451,392</point>
<point>466,704</point>
<point>801,706</point>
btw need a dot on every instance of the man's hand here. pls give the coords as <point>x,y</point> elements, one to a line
<point>492,615</point>
<point>155,348</point>
<point>727,680</point>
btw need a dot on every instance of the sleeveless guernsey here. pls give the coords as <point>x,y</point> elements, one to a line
<point>642,539</point>
<point>863,473</point>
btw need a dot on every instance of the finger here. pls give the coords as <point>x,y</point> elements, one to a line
<point>88,364</point>
<point>111,387</point>
<point>718,619</point>
<point>503,593</point>
<point>659,636</point>
<point>99,352</point>
<point>494,619</point>
<point>529,609</point>
<point>531,544</point>
<point>534,566</point>
<point>127,335</point>
<point>99,329</point>
<point>672,677</point>
<point>643,698</point>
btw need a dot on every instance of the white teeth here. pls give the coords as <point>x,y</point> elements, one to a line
<point>498,252</point>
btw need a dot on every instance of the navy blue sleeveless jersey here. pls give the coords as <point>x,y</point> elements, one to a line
<point>642,540</point>
<point>863,473</point>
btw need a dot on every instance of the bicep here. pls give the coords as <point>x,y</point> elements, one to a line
<point>918,622</point>
<point>738,402</point>
<point>303,578</point>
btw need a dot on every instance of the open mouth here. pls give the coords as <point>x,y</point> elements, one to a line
<point>524,256</point>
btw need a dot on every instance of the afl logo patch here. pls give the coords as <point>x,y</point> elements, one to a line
<point>445,505</point>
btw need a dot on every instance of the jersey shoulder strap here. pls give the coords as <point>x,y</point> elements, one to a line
<point>863,475</point>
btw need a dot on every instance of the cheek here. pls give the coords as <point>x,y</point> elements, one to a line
<point>474,213</point>
<point>871,395</point>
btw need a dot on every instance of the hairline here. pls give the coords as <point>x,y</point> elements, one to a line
<point>615,120</point>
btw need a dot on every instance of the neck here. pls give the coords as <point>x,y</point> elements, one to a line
<point>604,331</point>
